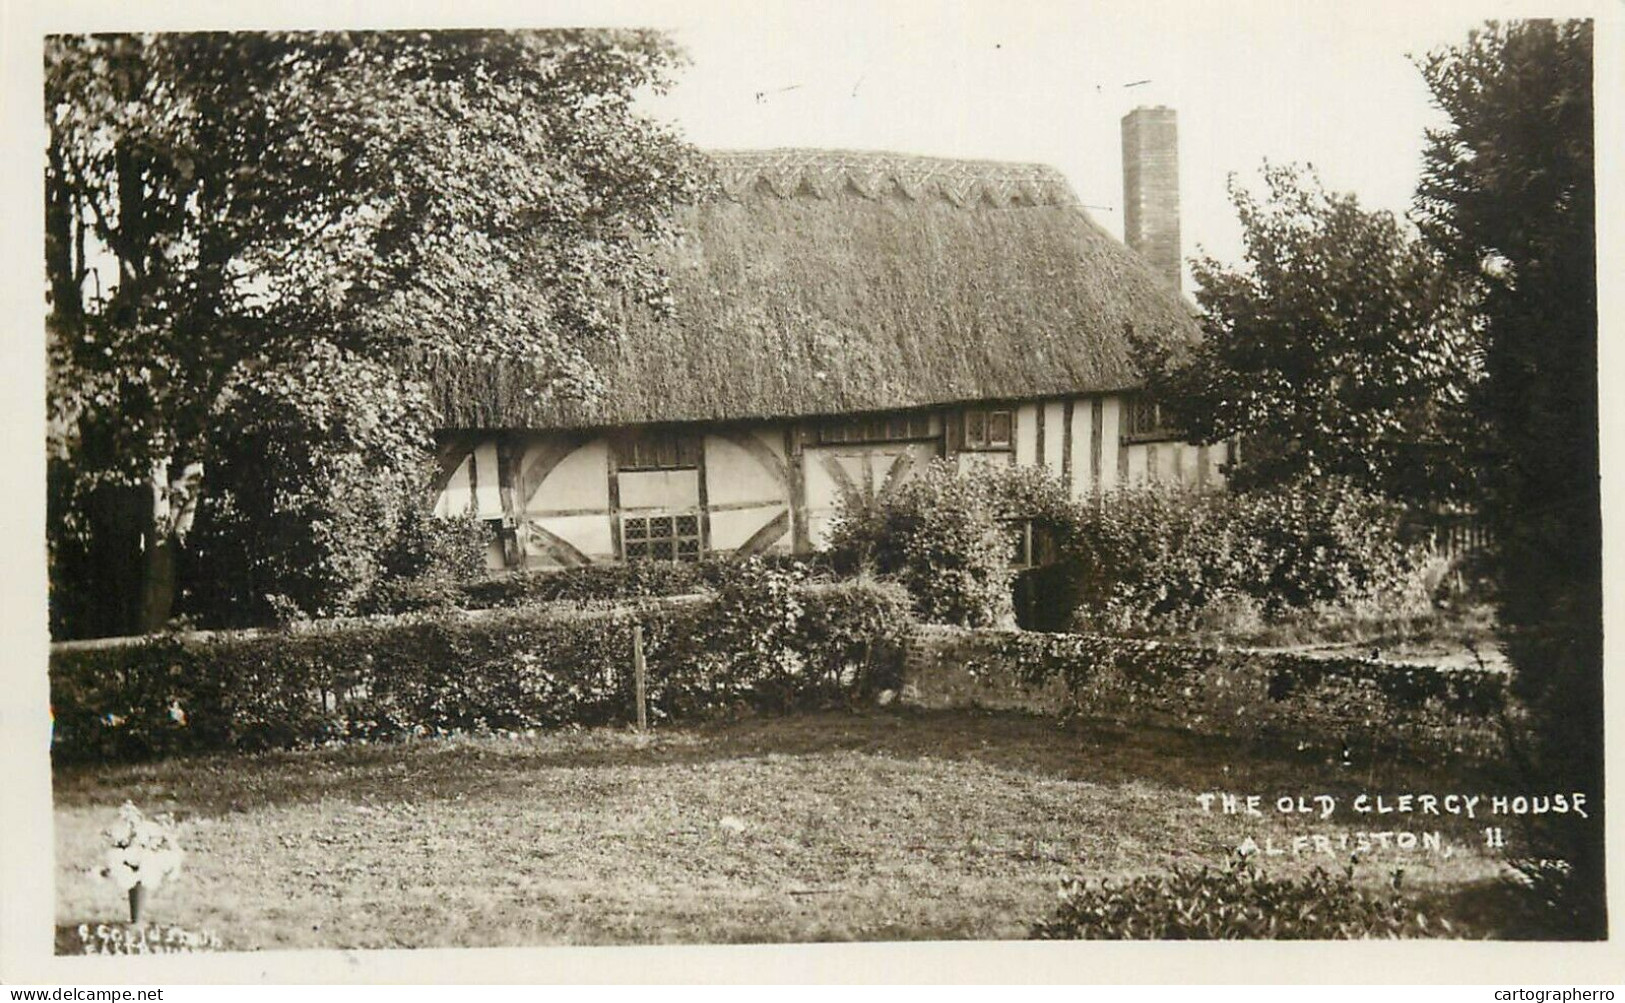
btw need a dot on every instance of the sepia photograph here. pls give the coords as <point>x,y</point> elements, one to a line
<point>775,474</point>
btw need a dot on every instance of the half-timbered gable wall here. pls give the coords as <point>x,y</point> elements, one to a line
<point>679,492</point>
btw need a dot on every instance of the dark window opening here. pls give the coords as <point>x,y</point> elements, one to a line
<point>877,428</point>
<point>986,428</point>
<point>1143,419</point>
<point>658,451</point>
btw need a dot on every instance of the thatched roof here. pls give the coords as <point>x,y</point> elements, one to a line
<point>820,282</point>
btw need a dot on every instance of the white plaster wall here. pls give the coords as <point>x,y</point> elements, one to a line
<point>1026,434</point>
<point>580,481</point>
<point>674,490</point>
<point>454,499</point>
<point>1054,435</point>
<point>730,530</point>
<point>733,475</point>
<point>587,533</point>
<point>487,491</point>
<point>1110,413</point>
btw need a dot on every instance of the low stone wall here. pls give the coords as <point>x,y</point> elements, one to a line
<point>1354,707</point>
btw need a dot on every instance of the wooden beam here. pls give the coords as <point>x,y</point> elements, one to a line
<point>796,489</point>
<point>556,547</point>
<point>1066,446</point>
<point>953,431</point>
<point>1122,442</point>
<point>1097,433</point>
<point>899,470</point>
<point>838,474</point>
<point>766,536</point>
<point>1038,424</point>
<point>449,454</point>
<point>613,463</point>
<point>512,547</point>
<point>705,504</point>
<point>565,513</point>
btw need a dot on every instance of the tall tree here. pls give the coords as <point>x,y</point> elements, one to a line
<point>391,195</point>
<point>1509,194</point>
<point>1339,347</point>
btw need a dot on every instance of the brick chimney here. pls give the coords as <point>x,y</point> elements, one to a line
<point>1151,188</point>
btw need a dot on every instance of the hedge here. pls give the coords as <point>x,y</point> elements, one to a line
<point>1351,705</point>
<point>1236,902</point>
<point>499,671</point>
<point>633,580</point>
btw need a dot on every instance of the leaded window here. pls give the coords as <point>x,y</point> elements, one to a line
<point>989,428</point>
<point>661,537</point>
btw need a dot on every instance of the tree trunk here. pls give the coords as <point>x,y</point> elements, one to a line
<point>158,546</point>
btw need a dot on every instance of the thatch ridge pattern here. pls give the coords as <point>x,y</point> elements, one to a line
<point>833,282</point>
<point>830,173</point>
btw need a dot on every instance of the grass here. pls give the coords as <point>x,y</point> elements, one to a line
<point>837,826</point>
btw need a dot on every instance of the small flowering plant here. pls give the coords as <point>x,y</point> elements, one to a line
<point>144,850</point>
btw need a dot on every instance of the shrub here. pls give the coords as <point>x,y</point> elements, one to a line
<point>939,534</point>
<point>753,623</point>
<point>1149,560</point>
<point>509,670</point>
<point>429,564</point>
<point>633,580</point>
<point>1235,902</point>
<point>852,635</point>
<point>1357,708</point>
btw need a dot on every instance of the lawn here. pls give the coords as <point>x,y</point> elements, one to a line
<point>876,825</point>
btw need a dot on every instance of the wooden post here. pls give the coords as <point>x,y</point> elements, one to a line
<point>638,676</point>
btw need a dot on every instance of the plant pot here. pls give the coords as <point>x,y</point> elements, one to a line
<point>138,901</point>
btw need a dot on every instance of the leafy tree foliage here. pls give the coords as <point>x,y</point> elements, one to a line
<point>312,464</point>
<point>215,202</point>
<point>1509,194</point>
<point>1340,347</point>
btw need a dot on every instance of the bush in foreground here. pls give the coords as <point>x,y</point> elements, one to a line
<point>1150,560</point>
<point>939,533</point>
<point>504,671</point>
<point>1235,902</point>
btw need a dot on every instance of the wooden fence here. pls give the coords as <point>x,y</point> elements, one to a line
<point>1456,534</point>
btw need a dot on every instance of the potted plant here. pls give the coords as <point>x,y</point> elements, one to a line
<point>144,852</point>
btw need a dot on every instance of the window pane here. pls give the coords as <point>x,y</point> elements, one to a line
<point>688,525</point>
<point>1143,417</point>
<point>688,550</point>
<point>975,428</point>
<point>998,428</point>
<point>637,529</point>
<point>661,550</point>
<point>635,551</point>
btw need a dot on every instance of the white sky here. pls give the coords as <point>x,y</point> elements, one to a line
<point>1324,83</point>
